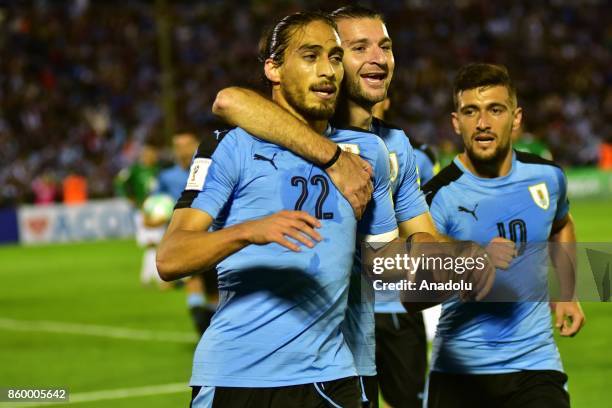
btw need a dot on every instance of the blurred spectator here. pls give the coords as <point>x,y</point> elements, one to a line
<point>45,189</point>
<point>75,189</point>
<point>530,143</point>
<point>139,180</point>
<point>80,80</point>
<point>605,161</point>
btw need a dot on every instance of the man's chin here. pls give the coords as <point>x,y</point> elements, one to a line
<point>486,157</point>
<point>319,112</point>
<point>375,92</point>
<point>486,153</point>
<point>368,98</point>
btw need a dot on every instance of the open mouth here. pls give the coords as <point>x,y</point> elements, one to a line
<point>484,139</point>
<point>324,91</point>
<point>374,78</point>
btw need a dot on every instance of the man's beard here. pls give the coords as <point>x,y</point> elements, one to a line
<point>355,93</point>
<point>490,161</point>
<point>297,100</point>
<point>353,90</point>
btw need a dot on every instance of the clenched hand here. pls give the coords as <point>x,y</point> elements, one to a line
<point>501,252</point>
<point>569,318</point>
<point>353,177</point>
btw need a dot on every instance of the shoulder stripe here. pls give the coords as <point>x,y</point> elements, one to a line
<point>531,158</point>
<point>206,149</point>
<point>208,146</point>
<point>387,125</point>
<point>220,133</point>
<point>449,174</point>
<point>354,129</point>
<point>186,199</point>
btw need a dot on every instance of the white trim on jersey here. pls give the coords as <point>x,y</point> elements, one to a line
<point>379,240</point>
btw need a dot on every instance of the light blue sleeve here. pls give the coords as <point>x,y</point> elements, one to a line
<point>409,200</point>
<point>379,217</point>
<point>438,213</point>
<point>563,201</point>
<point>222,177</point>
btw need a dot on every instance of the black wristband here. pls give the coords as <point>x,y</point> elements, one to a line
<point>333,160</point>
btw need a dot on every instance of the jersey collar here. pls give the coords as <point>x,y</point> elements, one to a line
<point>328,130</point>
<point>495,180</point>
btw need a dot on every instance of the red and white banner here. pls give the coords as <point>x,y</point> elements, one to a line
<point>100,219</point>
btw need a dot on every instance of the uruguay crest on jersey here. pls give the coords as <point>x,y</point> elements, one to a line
<point>540,196</point>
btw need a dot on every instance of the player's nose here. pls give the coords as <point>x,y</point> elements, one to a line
<point>483,122</point>
<point>378,56</point>
<point>325,68</point>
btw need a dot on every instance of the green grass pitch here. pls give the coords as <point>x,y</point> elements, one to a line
<point>94,288</point>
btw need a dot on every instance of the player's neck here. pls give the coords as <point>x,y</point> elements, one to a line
<point>317,125</point>
<point>488,170</point>
<point>352,114</point>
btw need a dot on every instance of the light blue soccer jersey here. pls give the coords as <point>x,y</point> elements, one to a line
<point>279,314</point>
<point>489,337</point>
<point>359,326</point>
<point>408,199</point>
<point>172,181</point>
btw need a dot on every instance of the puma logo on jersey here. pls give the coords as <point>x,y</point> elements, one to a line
<point>465,210</point>
<point>220,133</point>
<point>262,158</point>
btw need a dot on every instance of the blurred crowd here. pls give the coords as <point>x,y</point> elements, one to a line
<point>80,81</point>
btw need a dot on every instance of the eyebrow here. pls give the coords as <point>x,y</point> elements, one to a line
<point>367,41</point>
<point>310,47</point>
<point>466,107</point>
<point>318,48</point>
<point>490,105</point>
<point>337,50</point>
<point>359,41</point>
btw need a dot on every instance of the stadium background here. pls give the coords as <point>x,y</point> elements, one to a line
<point>84,84</point>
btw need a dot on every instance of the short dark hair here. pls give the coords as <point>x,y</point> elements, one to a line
<point>355,11</point>
<point>475,75</point>
<point>275,41</point>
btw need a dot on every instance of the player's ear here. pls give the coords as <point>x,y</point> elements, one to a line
<point>455,120</point>
<point>272,71</point>
<point>518,117</point>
